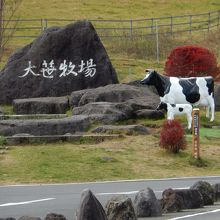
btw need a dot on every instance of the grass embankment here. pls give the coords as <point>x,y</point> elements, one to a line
<point>125,158</point>
<point>133,156</point>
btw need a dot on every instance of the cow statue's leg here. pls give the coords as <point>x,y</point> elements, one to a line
<point>212,107</point>
<point>189,119</point>
<point>212,111</point>
<point>207,111</point>
<point>170,116</point>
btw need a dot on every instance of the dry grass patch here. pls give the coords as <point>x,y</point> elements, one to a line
<point>128,158</point>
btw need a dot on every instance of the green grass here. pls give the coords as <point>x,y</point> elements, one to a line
<point>7,109</point>
<point>112,9</point>
<point>128,158</point>
<point>125,158</point>
<point>207,132</point>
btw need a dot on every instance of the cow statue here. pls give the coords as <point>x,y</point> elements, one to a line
<point>174,90</point>
<point>177,109</point>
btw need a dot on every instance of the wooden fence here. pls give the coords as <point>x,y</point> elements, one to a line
<point>133,28</point>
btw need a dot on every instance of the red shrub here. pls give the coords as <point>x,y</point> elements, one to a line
<point>189,60</point>
<point>172,136</point>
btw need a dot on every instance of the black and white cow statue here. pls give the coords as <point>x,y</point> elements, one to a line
<point>177,109</point>
<point>174,90</point>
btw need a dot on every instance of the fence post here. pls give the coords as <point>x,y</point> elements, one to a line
<point>190,24</point>
<point>131,28</point>
<point>195,132</point>
<point>209,20</point>
<point>157,43</point>
<point>152,25</point>
<point>171,25</point>
<point>43,24</point>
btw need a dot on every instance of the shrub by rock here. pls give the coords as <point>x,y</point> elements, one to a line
<point>206,190</point>
<point>146,204</point>
<point>120,208</point>
<point>190,60</point>
<point>172,136</point>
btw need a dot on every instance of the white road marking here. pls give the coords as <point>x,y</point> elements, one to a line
<point>130,192</point>
<point>197,214</point>
<point>117,193</point>
<point>24,203</point>
<point>112,181</point>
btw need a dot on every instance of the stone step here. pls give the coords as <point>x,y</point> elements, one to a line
<point>33,116</point>
<point>40,127</point>
<point>78,138</point>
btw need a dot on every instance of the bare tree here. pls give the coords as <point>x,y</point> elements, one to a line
<point>8,21</point>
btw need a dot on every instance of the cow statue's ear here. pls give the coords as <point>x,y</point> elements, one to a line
<point>149,70</point>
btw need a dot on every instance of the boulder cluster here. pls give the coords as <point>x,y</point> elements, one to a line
<point>103,105</point>
<point>145,204</point>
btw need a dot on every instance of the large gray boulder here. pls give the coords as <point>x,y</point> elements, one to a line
<point>59,61</point>
<point>171,201</point>
<point>192,198</point>
<point>120,208</point>
<point>90,208</point>
<point>206,191</point>
<point>136,97</point>
<point>45,127</point>
<point>104,112</point>
<point>176,200</point>
<point>146,204</point>
<point>42,105</point>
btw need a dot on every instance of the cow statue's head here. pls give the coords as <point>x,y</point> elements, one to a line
<point>149,78</point>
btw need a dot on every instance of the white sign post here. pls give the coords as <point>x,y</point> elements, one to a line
<point>195,133</point>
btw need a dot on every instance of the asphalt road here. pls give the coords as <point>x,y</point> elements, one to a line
<point>39,200</point>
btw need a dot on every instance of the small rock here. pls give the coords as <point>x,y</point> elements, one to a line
<point>54,216</point>
<point>90,207</point>
<point>146,204</point>
<point>120,208</point>
<point>206,190</point>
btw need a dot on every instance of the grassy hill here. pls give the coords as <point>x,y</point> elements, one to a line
<point>113,9</point>
<point>130,57</point>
